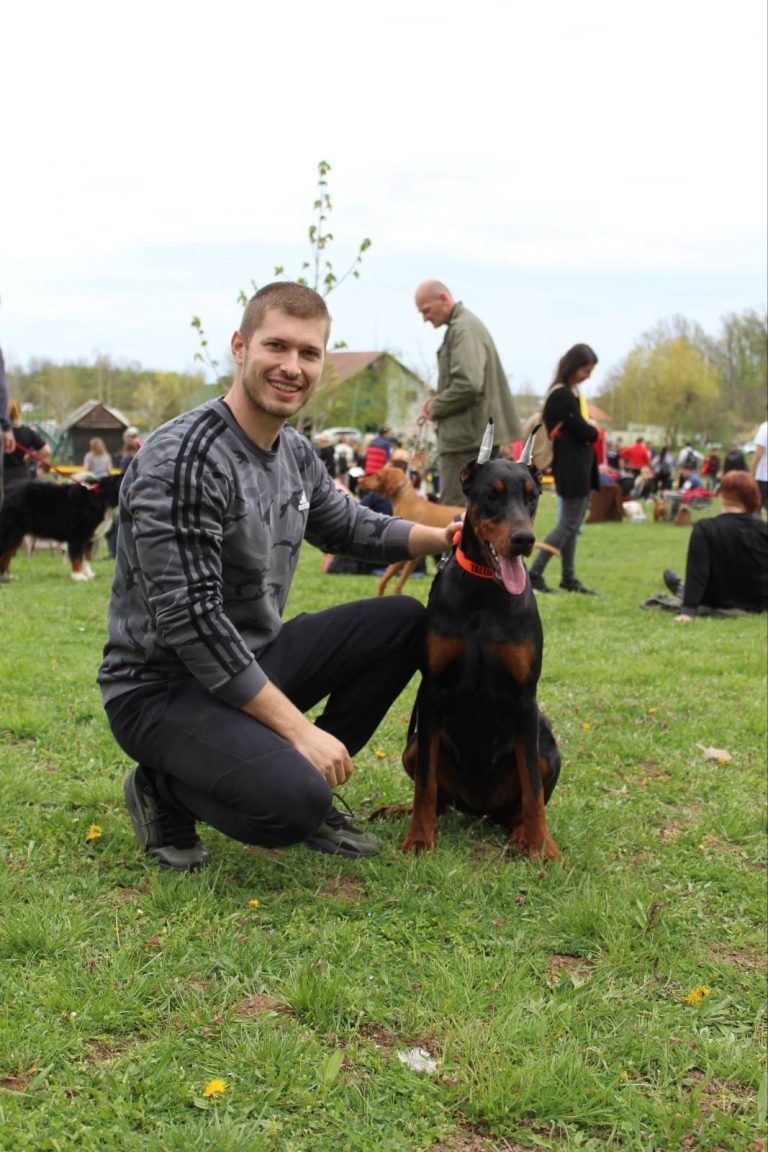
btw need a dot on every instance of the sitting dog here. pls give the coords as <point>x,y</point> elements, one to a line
<point>75,513</point>
<point>660,509</point>
<point>477,740</point>
<point>395,485</point>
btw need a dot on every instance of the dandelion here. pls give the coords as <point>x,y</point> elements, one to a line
<point>652,711</point>
<point>253,903</point>
<point>697,995</point>
<point>214,1087</point>
<point>586,725</point>
<point>93,833</point>
<point>623,1077</point>
<point>380,755</point>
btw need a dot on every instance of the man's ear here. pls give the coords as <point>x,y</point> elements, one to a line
<point>237,345</point>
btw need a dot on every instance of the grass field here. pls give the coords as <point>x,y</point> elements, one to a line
<point>613,1001</point>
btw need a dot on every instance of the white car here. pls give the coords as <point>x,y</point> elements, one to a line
<point>333,435</point>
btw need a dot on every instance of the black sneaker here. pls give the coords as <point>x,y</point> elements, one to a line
<point>673,582</point>
<point>163,833</point>
<point>338,836</point>
<point>576,586</point>
<point>538,583</point>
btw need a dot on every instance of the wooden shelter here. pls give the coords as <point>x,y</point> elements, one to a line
<point>89,420</point>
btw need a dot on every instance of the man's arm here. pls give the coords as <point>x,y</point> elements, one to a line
<point>465,372</point>
<point>328,755</point>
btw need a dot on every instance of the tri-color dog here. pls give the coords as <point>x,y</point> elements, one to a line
<point>74,513</point>
<point>478,741</point>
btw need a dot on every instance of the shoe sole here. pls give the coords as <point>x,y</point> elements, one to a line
<point>136,813</point>
<point>331,849</point>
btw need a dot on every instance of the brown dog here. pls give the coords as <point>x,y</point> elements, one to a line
<point>660,509</point>
<point>395,485</point>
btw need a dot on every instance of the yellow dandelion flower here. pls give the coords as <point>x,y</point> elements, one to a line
<point>623,1077</point>
<point>380,755</point>
<point>93,833</point>
<point>586,725</point>
<point>697,995</point>
<point>652,711</point>
<point>253,903</point>
<point>214,1088</point>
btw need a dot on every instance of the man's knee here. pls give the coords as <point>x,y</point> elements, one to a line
<point>291,815</point>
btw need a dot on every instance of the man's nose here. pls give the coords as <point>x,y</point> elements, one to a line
<point>289,362</point>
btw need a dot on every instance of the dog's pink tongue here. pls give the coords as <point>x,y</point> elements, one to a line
<point>513,575</point>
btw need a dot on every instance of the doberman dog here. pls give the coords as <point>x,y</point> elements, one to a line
<point>477,740</point>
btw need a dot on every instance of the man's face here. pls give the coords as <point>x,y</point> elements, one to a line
<point>434,310</point>
<point>282,362</point>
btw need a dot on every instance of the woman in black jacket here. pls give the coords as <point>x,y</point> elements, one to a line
<point>574,464</point>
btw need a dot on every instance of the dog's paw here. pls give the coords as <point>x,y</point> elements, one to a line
<point>418,844</point>
<point>80,577</point>
<point>536,847</point>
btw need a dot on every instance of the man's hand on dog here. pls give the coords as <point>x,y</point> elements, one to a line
<point>424,541</point>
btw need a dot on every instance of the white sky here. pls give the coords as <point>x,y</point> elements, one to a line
<point>572,170</point>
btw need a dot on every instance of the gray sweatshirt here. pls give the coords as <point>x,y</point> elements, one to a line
<point>210,532</point>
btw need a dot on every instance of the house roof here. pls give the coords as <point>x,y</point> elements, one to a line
<point>348,364</point>
<point>94,414</point>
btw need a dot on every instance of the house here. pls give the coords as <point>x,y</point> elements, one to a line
<point>368,390</point>
<point>89,420</point>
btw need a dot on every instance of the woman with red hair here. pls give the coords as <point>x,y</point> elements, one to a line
<point>727,563</point>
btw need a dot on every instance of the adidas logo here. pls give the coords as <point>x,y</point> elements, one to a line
<point>303,503</point>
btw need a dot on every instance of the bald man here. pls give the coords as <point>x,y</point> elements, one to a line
<point>471,386</point>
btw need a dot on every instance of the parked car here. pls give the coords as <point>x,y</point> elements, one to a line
<point>333,435</point>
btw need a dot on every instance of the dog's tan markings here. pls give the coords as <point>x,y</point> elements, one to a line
<point>422,831</point>
<point>443,650</point>
<point>531,834</point>
<point>517,658</point>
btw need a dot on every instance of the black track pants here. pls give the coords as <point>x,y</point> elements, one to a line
<point>232,772</point>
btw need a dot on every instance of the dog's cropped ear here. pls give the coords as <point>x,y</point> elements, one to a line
<point>537,476</point>
<point>467,475</point>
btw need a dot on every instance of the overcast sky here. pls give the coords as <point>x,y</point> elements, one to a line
<point>573,171</point>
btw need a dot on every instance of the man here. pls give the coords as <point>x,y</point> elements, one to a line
<point>378,451</point>
<point>203,684</point>
<point>7,440</point>
<point>760,462</point>
<point>635,457</point>
<point>471,386</point>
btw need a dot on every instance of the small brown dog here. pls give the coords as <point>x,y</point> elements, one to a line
<point>660,509</point>
<point>682,517</point>
<point>406,503</point>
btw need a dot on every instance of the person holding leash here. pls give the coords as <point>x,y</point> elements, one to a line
<point>574,464</point>
<point>471,387</point>
<point>203,683</point>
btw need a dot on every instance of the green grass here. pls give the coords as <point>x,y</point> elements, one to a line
<point>552,999</point>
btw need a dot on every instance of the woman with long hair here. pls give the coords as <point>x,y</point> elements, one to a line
<point>97,460</point>
<point>574,464</point>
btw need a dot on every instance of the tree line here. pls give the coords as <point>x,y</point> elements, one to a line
<point>693,385</point>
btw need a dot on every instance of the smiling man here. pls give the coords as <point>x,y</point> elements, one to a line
<point>203,684</point>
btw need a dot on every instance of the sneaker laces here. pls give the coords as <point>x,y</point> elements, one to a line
<point>337,819</point>
<point>178,830</point>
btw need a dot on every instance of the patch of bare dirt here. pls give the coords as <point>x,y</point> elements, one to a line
<point>345,888</point>
<point>560,966</point>
<point>261,1005</point>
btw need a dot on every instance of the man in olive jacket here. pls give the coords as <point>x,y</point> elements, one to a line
<point>471,386</point>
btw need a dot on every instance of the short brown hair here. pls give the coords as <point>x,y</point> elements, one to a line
<point>286,296</point>
<point>741,488</point>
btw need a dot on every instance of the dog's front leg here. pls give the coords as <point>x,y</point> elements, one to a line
<point>423,830</point>
<point>531,834</point>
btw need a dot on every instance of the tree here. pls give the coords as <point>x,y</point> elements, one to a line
<point>667,379</point>
<point>741,358</point>
<point>317,271</point>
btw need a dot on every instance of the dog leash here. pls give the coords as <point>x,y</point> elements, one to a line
<point>52,467</point>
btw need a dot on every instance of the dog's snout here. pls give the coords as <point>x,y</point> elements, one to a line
<point>523,542</point>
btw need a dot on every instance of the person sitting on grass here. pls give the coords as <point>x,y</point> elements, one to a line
<point>203,684</point>
<point>727,563</point>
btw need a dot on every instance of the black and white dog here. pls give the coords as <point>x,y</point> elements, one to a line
<point>75,513</point>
